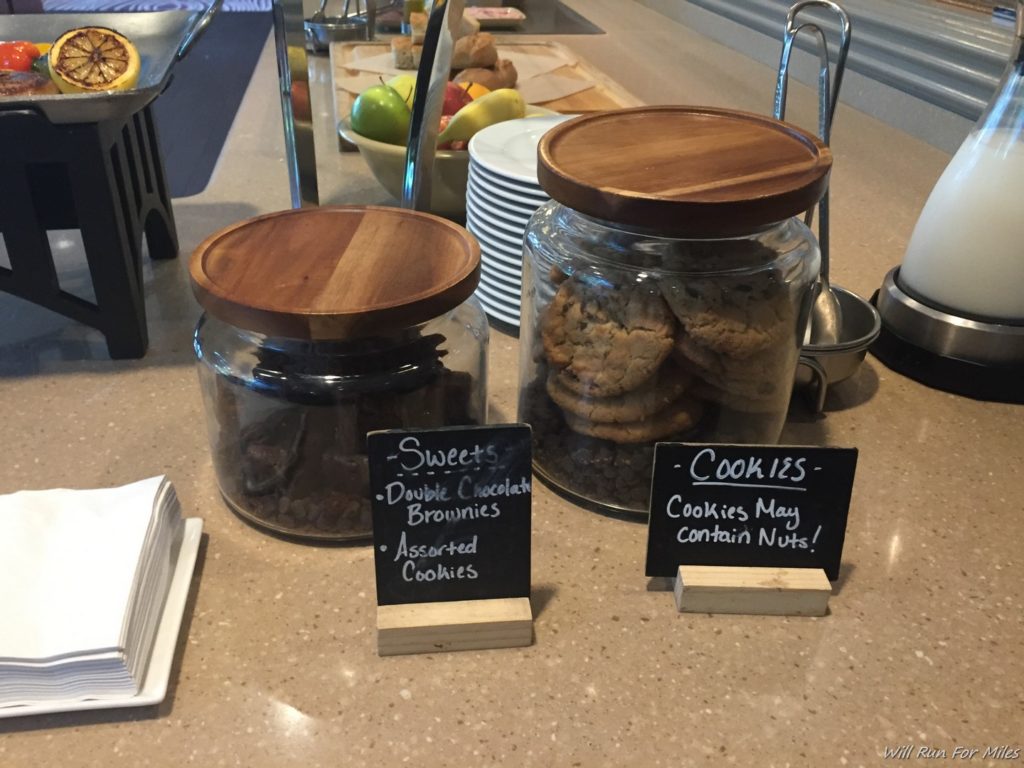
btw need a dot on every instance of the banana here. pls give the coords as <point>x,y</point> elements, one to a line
<point>494,107</point>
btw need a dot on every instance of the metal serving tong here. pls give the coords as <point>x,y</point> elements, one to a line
<point>431,79</point>
<point>825,323</point>
<point>198,29</point>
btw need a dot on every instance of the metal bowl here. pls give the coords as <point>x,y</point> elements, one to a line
<point>823,365</point>
<point>330,29</point>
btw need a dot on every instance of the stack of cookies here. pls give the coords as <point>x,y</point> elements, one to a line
<point>738,340</point>
<point>626,364</point>
<point>609,367</point>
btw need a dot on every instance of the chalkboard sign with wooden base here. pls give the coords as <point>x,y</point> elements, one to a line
<point>464,625</point>
<point>749,505</point>
<point>451,538</point>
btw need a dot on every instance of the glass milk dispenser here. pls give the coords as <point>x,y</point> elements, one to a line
<point>953,313</point>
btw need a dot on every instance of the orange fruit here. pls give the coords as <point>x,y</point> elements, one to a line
<point>475,90</point>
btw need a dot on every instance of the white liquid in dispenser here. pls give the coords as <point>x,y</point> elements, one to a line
<point>967,250</point>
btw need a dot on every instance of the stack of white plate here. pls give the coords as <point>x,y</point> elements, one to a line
<point>501,196</point>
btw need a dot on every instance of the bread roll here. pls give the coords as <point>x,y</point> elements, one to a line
<point>502,75</point>
<point>474,51</point>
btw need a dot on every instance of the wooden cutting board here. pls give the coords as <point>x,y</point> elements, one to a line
<point>606,93</point>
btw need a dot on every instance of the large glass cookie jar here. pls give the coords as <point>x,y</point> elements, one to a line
<point>321,325</point>
<point>666,290</point>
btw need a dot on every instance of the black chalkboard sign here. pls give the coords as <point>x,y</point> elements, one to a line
<point>748,505</point>
<point>451,513</point>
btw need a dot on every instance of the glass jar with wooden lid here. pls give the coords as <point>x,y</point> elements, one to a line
<point>666,290</point>
<point>321,325</point>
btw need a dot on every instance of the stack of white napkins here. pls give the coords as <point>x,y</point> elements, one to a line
<point>85,576</point>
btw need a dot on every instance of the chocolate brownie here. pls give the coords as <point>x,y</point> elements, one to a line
<point>290,449</point>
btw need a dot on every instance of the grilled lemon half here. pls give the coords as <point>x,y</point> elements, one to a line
<point>92,59</point>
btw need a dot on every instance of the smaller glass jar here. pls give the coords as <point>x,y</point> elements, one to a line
<point>666,290</point>
<point>369,325</point>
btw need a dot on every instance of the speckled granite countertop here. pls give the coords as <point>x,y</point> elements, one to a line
<point>277,661</point>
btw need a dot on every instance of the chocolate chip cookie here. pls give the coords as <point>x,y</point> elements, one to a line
<point>679,416</point>
<point>606,340</point>
<point>650,397</point>
<point>758,377</point>
<point>738,321</point>
<point>774,401</point>
<point>597,470</point>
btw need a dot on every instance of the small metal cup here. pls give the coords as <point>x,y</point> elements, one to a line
<point>822,366</point>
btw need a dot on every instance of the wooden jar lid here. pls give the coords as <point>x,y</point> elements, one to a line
<point>684,171</point>
<point>335,273</point>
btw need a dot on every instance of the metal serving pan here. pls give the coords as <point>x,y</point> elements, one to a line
<point>162,37</point>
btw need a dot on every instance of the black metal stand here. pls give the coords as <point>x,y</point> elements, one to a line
<point>106,180</point>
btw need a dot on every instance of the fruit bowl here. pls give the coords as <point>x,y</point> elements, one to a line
<point>451,168</point>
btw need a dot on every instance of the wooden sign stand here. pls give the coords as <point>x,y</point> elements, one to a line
<point>461,625</point>
<point>766,591</point>
<point>451,538</point>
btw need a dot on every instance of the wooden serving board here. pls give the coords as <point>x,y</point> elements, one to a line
<point>606,93</point>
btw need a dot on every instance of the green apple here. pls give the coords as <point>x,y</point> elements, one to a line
<point>380,113</point>
<point>406,87</point>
